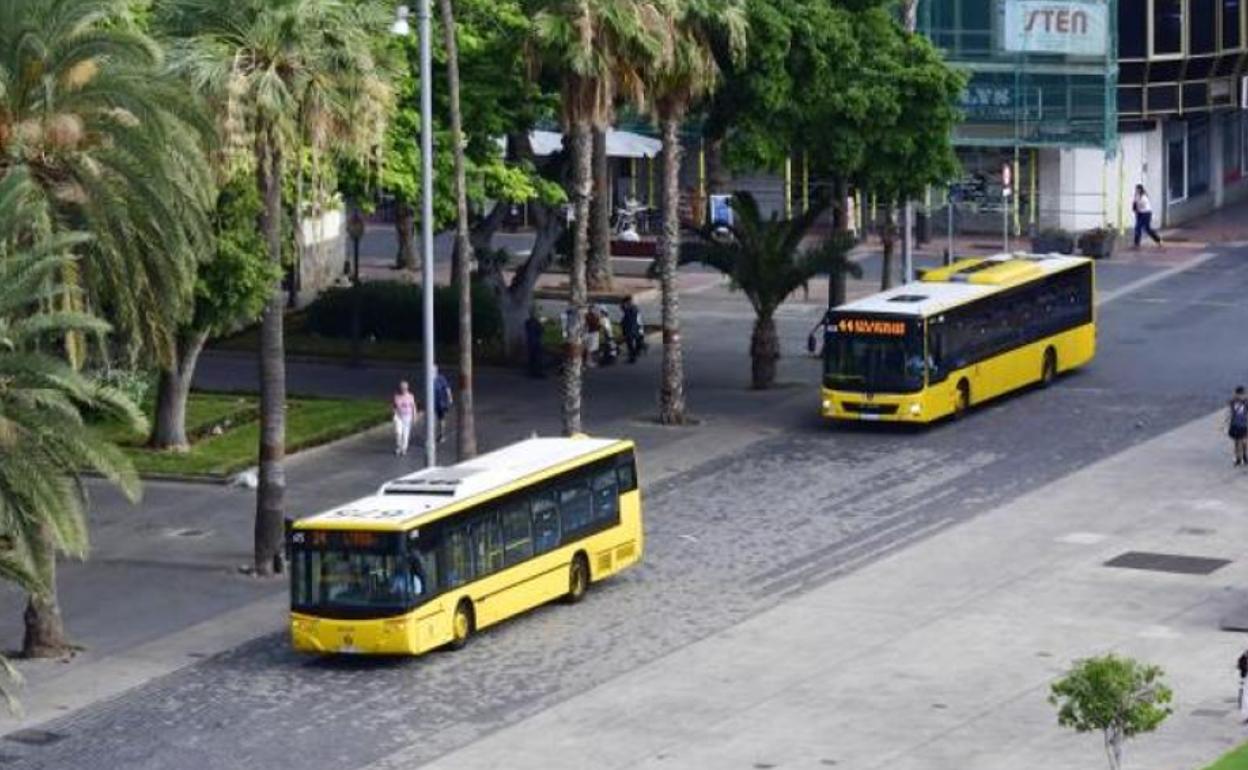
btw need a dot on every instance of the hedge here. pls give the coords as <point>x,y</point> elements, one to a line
<point>393,311</point>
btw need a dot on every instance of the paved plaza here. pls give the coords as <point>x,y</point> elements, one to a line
<point>812,596</point>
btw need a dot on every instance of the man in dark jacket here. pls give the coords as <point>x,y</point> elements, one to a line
<point>533,343</point>
<point>630,324</point>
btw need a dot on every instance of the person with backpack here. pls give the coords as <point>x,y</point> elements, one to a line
<point>1237,425</point>
<point>442,402</point>
<point>1143,211</point>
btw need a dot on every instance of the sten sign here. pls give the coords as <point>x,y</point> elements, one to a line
<point>1072,27</point>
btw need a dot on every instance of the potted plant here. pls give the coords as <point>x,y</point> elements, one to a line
<point>1098,242</point>
<point>1053,240</point>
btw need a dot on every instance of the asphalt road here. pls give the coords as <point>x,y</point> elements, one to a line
<point>726,540</point>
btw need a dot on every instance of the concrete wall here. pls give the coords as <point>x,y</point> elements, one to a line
<point>321,258</point>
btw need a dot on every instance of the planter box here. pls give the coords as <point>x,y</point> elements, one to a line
<point>1053,243</point>
<point>1097,246</point>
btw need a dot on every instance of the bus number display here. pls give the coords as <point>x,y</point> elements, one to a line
<point>876,326</point>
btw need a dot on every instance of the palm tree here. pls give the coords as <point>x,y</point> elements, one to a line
<point>115,145</point>
<point>465,422</point>
<point>765,259</point>
<point>44,441</point>
<point>286,75</point>
<point>596,47</point>
<point>690,74</point>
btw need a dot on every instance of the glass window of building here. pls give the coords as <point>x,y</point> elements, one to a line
<point>1203,26</point>
<point>1198,152</point>
<point>1132,31</point>
<point>1230,25</point>
<point>1167,27</point>
<point>1176,168</point>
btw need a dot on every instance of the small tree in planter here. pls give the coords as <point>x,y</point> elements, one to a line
<point>1098,242</point>
<point>1053,240</point>
<point>1120,697</point>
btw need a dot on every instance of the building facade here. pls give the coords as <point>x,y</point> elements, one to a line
<point>1084,99</point>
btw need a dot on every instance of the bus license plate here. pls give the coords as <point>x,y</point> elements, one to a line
<point>868,416</point>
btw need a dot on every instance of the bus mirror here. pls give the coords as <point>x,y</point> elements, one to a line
<point>810,343</point>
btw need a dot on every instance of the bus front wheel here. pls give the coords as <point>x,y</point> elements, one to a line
<point>963,402</point>
<point>1048,371</point>
<point>578,579</point>
<point>462,625</point>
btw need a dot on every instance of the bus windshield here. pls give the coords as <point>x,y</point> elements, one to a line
<point>335,576</point>
<point>873,353</point>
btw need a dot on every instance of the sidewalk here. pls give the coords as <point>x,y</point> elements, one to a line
<point>940,656</point>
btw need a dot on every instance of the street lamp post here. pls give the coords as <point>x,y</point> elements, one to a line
<point>355,229</point>
<point>403,29</point>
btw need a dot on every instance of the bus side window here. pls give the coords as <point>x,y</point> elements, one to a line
<point>487,544</point>
<point>626,471</point>
<point>456,561</point>
<point>545,524</point>
<point>606,497</point>
<point>574,506</point>
<point>517,537</point>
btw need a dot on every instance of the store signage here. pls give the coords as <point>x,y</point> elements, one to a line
<point>1072,27</point>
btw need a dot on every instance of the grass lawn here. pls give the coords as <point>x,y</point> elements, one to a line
<point>309,422</point>
<point>301,342</point>
<point>1235,760</point>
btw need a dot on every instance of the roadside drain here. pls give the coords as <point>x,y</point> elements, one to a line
<point>1167,562</point>
<point>34,737</point>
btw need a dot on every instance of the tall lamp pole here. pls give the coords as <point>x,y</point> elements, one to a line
<point>403,29</point>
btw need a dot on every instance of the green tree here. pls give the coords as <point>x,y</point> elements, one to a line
<point>44,440</point>
<point>910,147</point>
<point>231,289</point>
<point>285,75</point>
<point>765,259</point>
<point>596,49</point>
<point>675,86</point>
<point>1119,697</point>
<point>116,147</point>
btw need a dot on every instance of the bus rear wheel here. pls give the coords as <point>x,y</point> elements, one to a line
<point>462,625</point>
<point>1048,371</point>
<point>963,402</point>
<point>578,579</point>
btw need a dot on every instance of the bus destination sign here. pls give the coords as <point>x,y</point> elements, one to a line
<point>877,326</point>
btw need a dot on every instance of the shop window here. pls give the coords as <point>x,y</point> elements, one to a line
<point>1167,27</point>
<point>1198,156</point>
<point>1176,167</point>
<point>1231,33</point>
<point>1203,26</point>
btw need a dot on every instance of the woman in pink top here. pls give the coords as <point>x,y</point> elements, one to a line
<point>405,413</point>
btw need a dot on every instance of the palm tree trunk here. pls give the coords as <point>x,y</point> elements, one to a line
<point>764,351</point>
<point>404,229</point>
<point>582,152</point>
<point>172,393</point>
<point>672,388</point>
<point>600,275</point>
<point>45,629</point>
<point>272,487</point>
<point>718,176</point>
<point>466,424</point>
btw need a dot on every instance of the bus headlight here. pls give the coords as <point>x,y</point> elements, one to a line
<point>916,409</point>
<point>827,405</point>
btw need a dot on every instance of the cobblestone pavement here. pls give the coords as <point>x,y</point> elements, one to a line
<point>726,540</point>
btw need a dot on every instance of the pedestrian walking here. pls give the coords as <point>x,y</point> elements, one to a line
<point>405,413</point>
<point>442,402</point>
<point>533,343</point>
<point>1237,425</point>
<point>1242,664</point>
<point>630,326</point>
<point>1143,210</point>
<point>607,348</point>
<point>593,333</point>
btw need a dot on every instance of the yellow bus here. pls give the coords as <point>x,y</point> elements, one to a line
<point>440,554</point>
<point>959,336</point>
